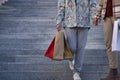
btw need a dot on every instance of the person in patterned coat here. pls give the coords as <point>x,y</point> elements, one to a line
<point>75,16</point>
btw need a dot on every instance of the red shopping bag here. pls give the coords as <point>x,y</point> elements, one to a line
<point>50,50</point>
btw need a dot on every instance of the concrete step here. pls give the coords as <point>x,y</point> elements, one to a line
<point>33,3</point>
<point>88,59</point>
<point>37,41</point>
<point>25,41</point>
<point>34,7</point>
<point>28,0</point>
<point>26,36</point>
<point>44,67</point>
<point>37,28</point>
<point>95,52</point>
<point>36,75</point>
<point>18,14</point>
<point>33,29</point>
<point>29,22</point>
<point>54,75</point>
<point>21,52</point>
<point>28,11</point>
<point>23,47</point>
<point>22,43</point>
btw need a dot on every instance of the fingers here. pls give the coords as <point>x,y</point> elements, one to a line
<point>59,27</point>
<point>95,21</point>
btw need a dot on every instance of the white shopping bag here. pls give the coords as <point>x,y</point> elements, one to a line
<point>116,37</point>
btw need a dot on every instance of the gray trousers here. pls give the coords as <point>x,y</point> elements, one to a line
<point>77,38</point>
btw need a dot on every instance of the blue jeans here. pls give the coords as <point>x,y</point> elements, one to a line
<point>76,39</point>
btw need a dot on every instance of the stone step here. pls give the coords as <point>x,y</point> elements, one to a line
<point>88,59</point>
<point>88,52</point>
<point>37,21</point>
<point>27,36</point>
<point>36,29</point>
<point>21,67</point>
<point>45,40</point>
<point>44,67</point>
<point>91,56</point>
<point>23,47</point>
<point>21,52</point>
<point>49,16</point>
<point>17,8</point>
<point>36,75</point>
<point>30,5</point>
<point>26,29</point>
<point>38,34</point>
<point>40,41</point>
<point>29,22</point>
<point>33,3</point>
<point>27,14</point>
<point>12,12</point>
<point>29,0</point>
<point>37,25</point>
<point>54,75</point>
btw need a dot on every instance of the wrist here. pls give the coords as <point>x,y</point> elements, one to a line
<point>95,17</point>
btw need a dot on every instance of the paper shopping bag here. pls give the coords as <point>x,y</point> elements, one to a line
<point>116,37</point>
<point>61,49</point>
<point>67,51</point>
<point>59,46</point>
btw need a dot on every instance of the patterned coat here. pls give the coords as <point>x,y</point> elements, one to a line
<point>74,13</point>
<point>101,10</point>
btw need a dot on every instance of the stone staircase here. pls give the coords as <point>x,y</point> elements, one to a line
<point>26,29</point>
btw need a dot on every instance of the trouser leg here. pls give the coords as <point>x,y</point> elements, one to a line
<point>77,39</point>
<point>108,31</point>
<point>79,55</point>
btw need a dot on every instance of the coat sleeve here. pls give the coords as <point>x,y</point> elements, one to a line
<point>96,8</point>
<point>61,11</point>
<point>99,9</point>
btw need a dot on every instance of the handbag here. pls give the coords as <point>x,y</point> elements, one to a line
<point>116,36</point>
<point>58,48</point>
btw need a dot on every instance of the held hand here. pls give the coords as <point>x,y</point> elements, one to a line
<point>95,21</point>
<point>59,26</point>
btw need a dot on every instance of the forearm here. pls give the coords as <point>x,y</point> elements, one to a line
<point>99,9</point>
<point>61,11</point>
<point>93,8</point>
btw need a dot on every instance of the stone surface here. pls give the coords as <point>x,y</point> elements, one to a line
<point>26,29</point>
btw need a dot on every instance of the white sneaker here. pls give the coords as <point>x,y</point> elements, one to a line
<point>76,76</point>
<point>71,65</point>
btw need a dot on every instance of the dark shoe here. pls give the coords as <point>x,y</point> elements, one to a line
<point>112,75</point>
